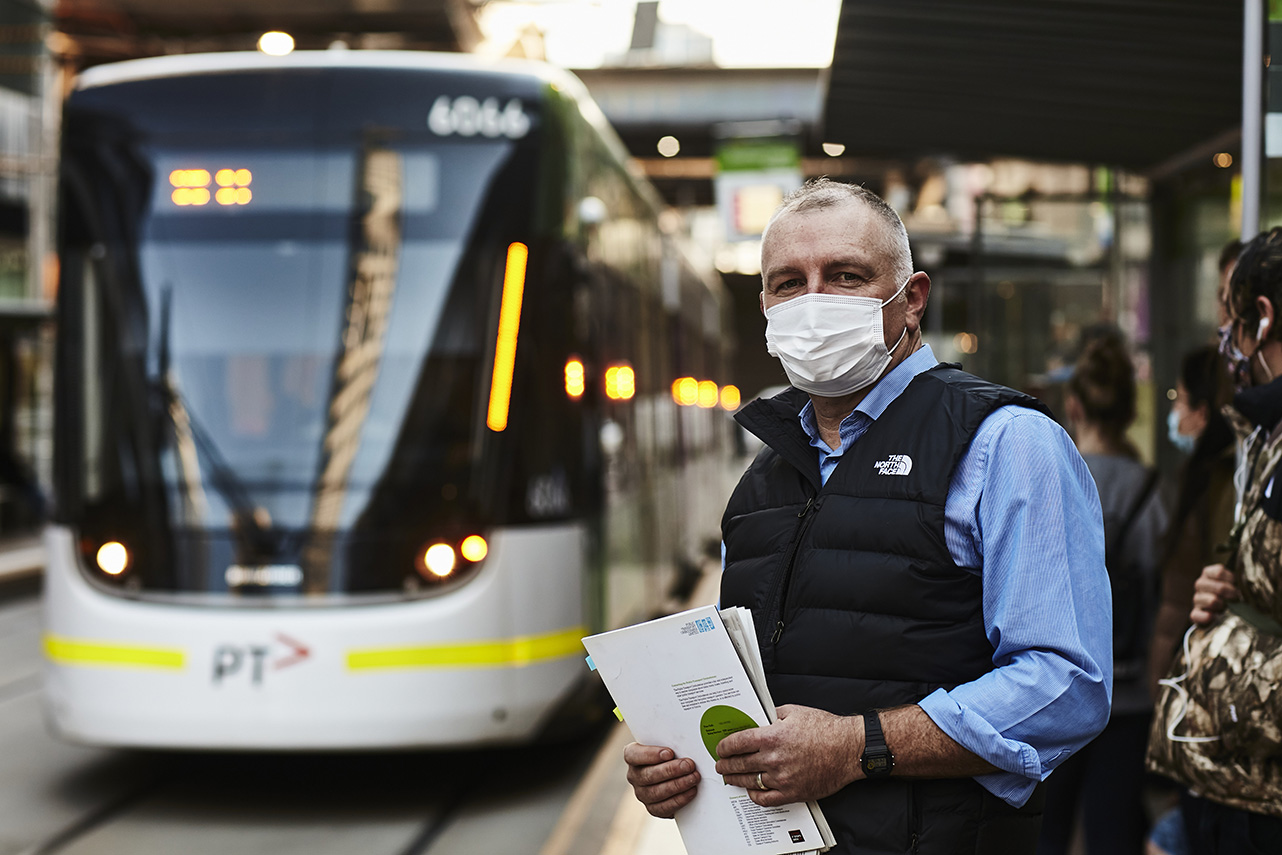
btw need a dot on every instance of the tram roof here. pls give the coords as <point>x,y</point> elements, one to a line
<point>180,65</point>
<point>1133,83</point>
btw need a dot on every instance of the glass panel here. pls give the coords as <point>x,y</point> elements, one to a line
<point>250,330</point>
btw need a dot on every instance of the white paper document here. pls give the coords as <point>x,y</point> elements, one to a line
<point>683,682</point>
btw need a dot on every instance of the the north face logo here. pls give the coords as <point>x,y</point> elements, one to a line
<point>895,464</point>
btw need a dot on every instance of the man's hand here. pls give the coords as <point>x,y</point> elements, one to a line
<point>661,782</point>
<point>807,754</point>
<point>1211,593</point>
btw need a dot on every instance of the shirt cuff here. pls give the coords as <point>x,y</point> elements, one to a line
<point>1021,767</point>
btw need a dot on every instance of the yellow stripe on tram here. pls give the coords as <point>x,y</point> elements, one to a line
<point>498,653</point>
<point>96,654</point>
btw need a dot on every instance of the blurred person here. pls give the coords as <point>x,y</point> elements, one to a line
<point>1217,728</point>
<point>1228,260</point>
<point>1199,530</point>
<point>1106,778</point>
<point>1168,836</point>
<point>1203,516</point>
<point>923,554</point>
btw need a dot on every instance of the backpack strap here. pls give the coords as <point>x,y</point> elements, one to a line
<point>1119,537</point>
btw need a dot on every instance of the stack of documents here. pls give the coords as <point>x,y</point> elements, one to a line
<point>686,681</point>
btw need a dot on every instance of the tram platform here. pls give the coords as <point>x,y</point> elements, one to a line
<point>603,818</point>
<point>21,558</point>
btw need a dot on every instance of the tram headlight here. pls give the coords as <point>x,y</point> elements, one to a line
<point>439,560</point>
<point>113,558</point>
<point>446,559</point>
<point>474,548</point>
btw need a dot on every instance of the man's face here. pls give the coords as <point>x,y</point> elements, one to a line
<point>843,249</point>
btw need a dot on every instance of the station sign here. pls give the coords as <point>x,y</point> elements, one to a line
<point>753,176</point>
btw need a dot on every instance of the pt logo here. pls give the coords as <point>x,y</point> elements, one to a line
<point>895,464</point>
<point>252,660</point>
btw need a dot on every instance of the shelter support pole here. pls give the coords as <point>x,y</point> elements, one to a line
<point>1252,114</point>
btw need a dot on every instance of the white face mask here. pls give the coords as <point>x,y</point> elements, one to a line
<point>1183,441</point>
<point>830,344</point>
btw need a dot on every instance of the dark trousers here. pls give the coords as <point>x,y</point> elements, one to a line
<point>1106,779</point>
<point>1215,829</point>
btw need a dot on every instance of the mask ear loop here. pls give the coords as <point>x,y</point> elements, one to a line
<point>888,301</point>
<point>1174,683</point>
<point>895,295</point>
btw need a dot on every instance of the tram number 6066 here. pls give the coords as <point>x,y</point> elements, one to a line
<point>469,117</point>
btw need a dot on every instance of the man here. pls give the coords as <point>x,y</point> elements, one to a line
<point>924,556</point>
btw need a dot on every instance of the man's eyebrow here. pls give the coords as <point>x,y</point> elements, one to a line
<point>860,264</point>
<point>783,270</point>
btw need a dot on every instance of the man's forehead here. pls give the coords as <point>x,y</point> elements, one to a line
<point>849,230</point>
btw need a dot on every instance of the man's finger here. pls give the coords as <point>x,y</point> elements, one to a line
<point>770,798</point>
<point>664,794</point>
<point>636,754</point>
<point>661,773</point>
<point>741,743</point>
<point>667,809</point>
<point>747,781</point>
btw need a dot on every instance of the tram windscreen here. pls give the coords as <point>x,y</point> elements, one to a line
<point>305,322</point>
<point>281,345</point>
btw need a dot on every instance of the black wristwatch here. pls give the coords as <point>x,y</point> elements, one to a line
<point>877,761</point>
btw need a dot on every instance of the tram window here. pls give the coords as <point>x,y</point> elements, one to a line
<point>260,306</point>
<point>278,181</point>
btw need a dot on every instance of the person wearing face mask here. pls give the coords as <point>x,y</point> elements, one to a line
<point>1203,513</point>
<point>1106,778</point>
<point>923,554</point>
<point>1218,724</point>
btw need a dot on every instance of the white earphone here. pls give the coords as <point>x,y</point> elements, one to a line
<point>1259,332</point>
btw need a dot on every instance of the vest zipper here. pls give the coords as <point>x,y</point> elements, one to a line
<point>805,518</point>
<point>914,817</point>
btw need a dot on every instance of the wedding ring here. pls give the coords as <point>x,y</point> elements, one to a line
<point>761,784</point>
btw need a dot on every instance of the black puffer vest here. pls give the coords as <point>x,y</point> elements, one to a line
<point>858,602</point>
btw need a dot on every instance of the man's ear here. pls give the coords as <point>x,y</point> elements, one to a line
<point>761,301</point>
<point>917,292</point>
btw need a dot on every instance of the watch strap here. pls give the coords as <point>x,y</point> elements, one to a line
<point>877,761</point>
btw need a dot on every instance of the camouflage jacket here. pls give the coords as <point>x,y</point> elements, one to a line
<point>1231,698</point>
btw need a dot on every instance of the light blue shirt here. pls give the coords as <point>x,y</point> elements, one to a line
<point>1023,514</point>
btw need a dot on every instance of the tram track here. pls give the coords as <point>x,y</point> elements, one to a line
<point>406,804</point>
<point>436,826</point>
<point>95,818</point>
<point>119,808</point>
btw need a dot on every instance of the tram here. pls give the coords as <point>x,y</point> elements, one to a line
<point>370,401</point>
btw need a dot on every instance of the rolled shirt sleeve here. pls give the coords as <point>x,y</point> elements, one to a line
<point>1023,511</point>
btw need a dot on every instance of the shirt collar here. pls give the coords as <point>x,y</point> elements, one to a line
<point>882,394</point>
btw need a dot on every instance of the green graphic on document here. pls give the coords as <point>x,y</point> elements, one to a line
<point>719,722</point>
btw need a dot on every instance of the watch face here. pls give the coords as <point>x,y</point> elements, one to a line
<point>877,764</point>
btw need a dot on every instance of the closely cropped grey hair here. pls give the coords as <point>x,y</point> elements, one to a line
<point>819,193</point>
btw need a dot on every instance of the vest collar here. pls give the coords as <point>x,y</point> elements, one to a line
<point>776,422</point>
